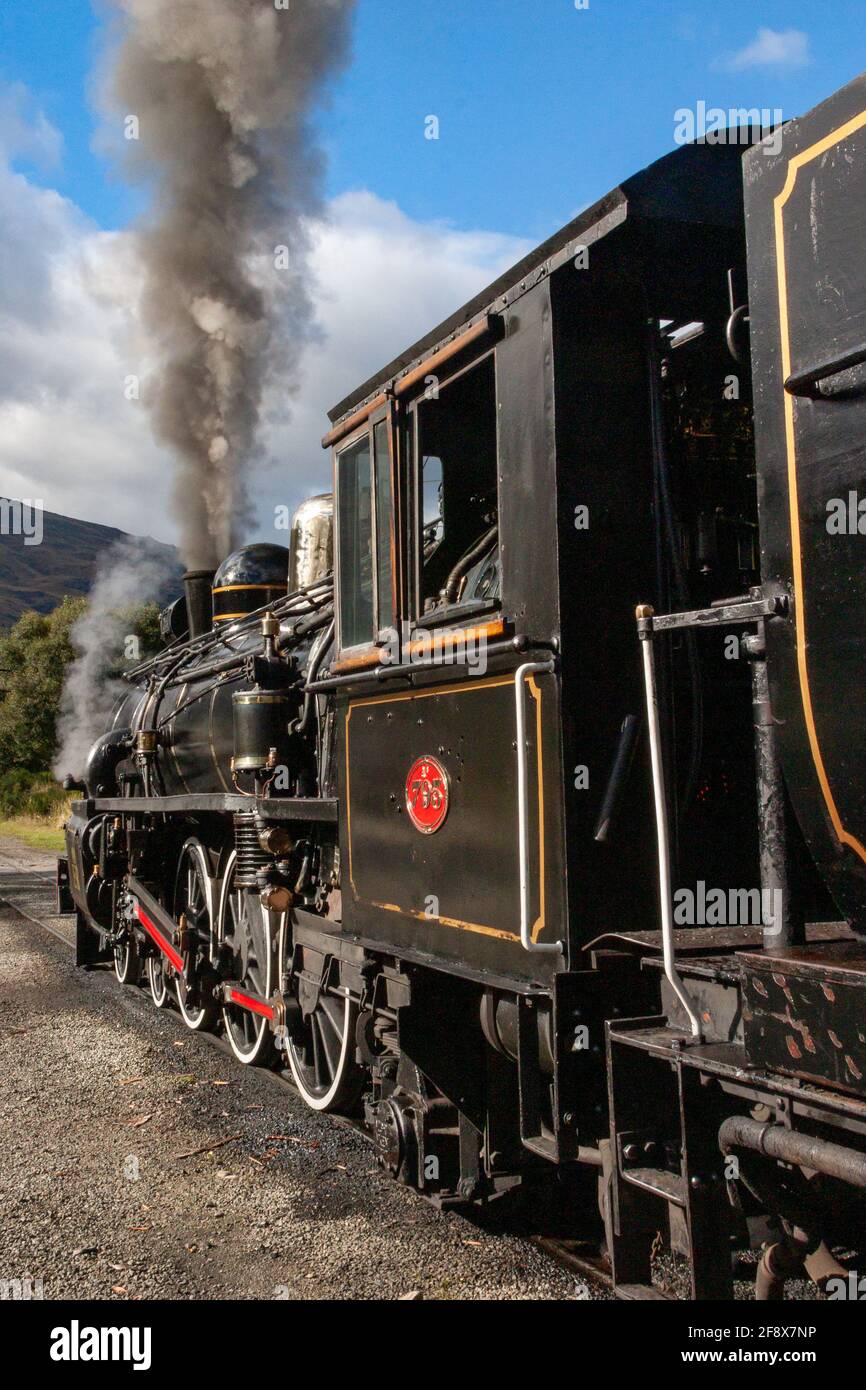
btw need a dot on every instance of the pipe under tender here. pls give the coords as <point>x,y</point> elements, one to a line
<point>791,1261</point>
<point>802,1252</point>
<point>788,1146</point>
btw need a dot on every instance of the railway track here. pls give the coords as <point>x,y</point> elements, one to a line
<point>30,893</point>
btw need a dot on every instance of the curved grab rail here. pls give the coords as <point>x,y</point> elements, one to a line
<point>526,941</point>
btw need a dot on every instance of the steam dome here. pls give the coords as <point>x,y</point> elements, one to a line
<point>249,579</point>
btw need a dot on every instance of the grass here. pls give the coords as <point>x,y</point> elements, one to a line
<point>35,831</point>
<point>39,818</point>
<point>33,809</point>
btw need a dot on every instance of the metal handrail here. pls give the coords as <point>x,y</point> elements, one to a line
<point>526,941</point>
<point>808,382</point>
<point>645,632</point>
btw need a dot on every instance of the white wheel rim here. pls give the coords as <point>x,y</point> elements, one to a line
<point>311,1098</point>
<point>126,957</point>
<point>315,1100</point>
<point>247,1056</point>
<point>193,1018</point>
<point>158,995</point>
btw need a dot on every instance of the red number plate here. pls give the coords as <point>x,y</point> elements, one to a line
<point>427,794</point>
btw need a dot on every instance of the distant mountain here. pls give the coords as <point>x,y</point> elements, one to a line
<point>64,563</point>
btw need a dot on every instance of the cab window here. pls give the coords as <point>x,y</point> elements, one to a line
<point>455,490</point>
<point>384,540</point>
<point>355,521</point>
<point>365,545</point>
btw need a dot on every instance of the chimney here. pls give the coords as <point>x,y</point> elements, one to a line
<point>199,601</point>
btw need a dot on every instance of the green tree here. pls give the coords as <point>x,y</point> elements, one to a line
<point>34,657</point>
<point>33,661</point>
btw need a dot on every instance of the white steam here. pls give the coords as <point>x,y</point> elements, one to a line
<point>130,575</point>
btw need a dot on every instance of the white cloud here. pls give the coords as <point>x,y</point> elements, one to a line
<point>68,341</point>
<point>24,130</point>
<point>68,436</point>
<point>787,49</point>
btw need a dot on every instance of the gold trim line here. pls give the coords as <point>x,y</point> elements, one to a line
<point>796,164</point>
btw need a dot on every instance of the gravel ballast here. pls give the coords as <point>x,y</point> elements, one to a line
<point>103,1095</point>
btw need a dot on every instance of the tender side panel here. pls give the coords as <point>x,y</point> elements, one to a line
<point>806,213</point>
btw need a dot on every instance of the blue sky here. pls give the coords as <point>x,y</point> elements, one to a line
<point>542,107</point>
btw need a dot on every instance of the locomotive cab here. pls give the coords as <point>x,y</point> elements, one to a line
<point>580,419</point>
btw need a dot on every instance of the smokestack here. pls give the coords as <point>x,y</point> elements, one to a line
<point>199,601</point>
<point>215,98</point>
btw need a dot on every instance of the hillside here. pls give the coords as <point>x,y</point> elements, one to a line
<point>39,576</point>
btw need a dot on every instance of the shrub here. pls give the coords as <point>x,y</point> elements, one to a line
<point>24,793</point>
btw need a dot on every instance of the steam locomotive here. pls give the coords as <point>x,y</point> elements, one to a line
<point>420,810</point>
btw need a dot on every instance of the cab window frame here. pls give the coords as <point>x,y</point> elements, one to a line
<point>369,429</point>
<point>410,433</point>
<point>384,420</point>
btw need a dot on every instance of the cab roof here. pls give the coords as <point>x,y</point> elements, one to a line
<point>695,183</point>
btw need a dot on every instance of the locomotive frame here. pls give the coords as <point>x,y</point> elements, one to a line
<point>448,915</point>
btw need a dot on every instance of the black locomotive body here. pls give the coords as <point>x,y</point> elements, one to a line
<point>405,827</point>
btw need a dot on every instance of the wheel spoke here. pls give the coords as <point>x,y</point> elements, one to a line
<point>333,1010</point>
<point>246,933</point>
<point>191,902</point>
<point>316,1034</point>
<point>331,1041</point>
<point>320,1058</point>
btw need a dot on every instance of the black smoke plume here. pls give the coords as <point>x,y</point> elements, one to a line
<point>216,98</point>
